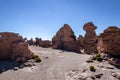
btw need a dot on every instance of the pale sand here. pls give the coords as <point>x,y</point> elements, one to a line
<point>59,65</point>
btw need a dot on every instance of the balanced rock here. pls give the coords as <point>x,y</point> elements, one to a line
<point>65,39</point>
<point>90,41</point>
<point>109,41</point>
<point>12,46</point>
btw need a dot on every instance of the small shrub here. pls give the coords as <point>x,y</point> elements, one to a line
<point>92,68</point>
<point>38,59</point>
<point>98,55</point>
<point>99,59</point>
<point>35,56</point>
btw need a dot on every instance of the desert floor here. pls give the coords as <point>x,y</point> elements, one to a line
<point>61,65</point>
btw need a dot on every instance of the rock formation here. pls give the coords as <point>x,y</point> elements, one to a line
<point>109,41</point>
<point>80,41</point>
<point>37,41</point>
<point>12,46</point>
<point>90,41</point>
<point>45,43</point>
<point>40,42</point>
<point>114,61</point>
<point>65,39</point>
<point>31,42</point>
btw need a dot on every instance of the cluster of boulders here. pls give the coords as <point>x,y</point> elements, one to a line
<point>109,41</point>
<point>65,39</point>
<point>45,43</point>
<point>30,42</point>
<point>40,42</point>
<point>35,42</point>
<point>106,42</point>
<point>13,47</point>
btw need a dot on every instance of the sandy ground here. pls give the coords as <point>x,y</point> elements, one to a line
<point>61,65</point>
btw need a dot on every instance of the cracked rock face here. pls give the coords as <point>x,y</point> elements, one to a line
<point>65,39</point>
<point>109,41</point>
<point>90,40</point>
<point>12,46</point>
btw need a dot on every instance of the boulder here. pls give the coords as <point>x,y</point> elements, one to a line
<point>109,41</point>
<point>20,50</point>
<point>12,46</point>
<point>80,41</point>
<point>65,39</point>
<point>90,40</point>
<point>37,41</point>
<point>45,43</point>
<point>114,61</point>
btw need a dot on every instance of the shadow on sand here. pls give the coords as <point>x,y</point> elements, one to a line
<point>7,65</point>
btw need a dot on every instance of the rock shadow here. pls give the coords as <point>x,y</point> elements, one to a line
<point>6,65</point>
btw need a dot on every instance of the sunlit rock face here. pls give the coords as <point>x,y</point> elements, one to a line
<point>90,40</point>
<point>65,39</point>
<point>109,41</point>
<point>12,46</point>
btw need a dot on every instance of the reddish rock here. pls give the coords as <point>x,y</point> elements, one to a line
<point>12,45</point>
<point>20,50</point>
<point>80,41</point>
<point>45,43</point>
<point>90,41</point>
<point>109,41</point>
<point>65,39</point>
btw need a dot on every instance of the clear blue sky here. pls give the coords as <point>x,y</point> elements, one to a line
<point>43,18</point>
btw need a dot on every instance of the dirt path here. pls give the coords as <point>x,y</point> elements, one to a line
<point>60,65</point>
<point>58,62</point>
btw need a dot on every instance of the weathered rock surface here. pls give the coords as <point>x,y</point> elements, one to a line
<point>109,41</point>
<point>80,41</point>
<point>12,46</point>
<point>90,41</point>
<point>40,42</point>
<point>45,43</point>
<point>65,39</point>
